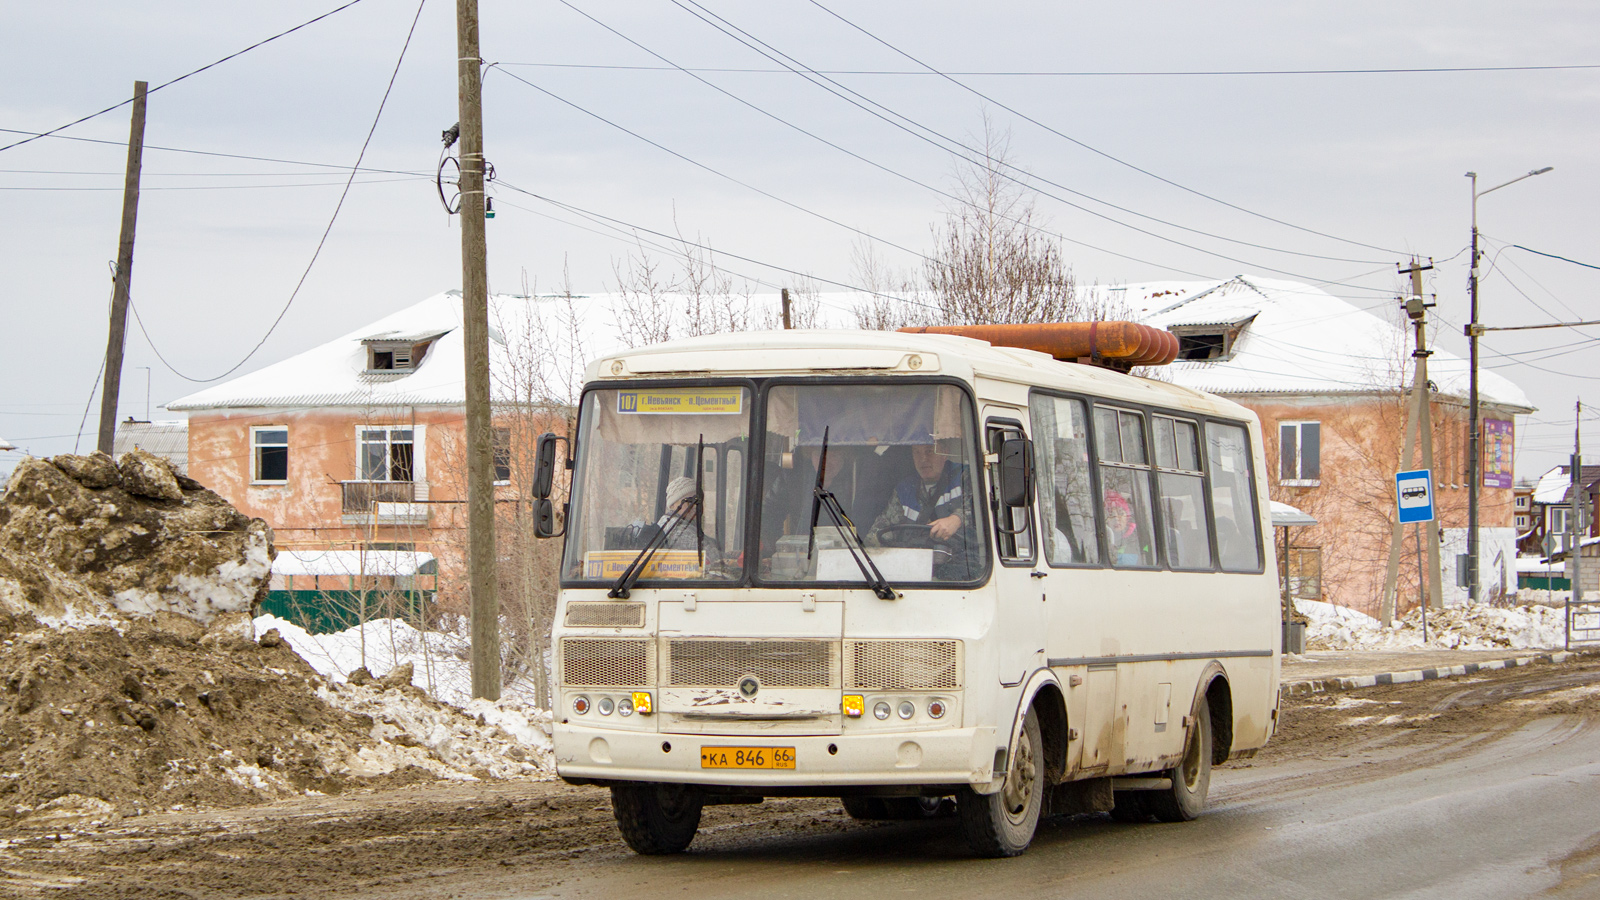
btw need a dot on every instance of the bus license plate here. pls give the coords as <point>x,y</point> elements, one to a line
<point>746,757</point>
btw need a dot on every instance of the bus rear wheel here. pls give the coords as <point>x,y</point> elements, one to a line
<point>1002,824</point>
<point>1191,777</point>
<point>657,819</point>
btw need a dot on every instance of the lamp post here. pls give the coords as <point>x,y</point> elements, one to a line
<point>1474,448</point>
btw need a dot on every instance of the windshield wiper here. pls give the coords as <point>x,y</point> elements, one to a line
<point>822,498</point>
<point>625,582</point>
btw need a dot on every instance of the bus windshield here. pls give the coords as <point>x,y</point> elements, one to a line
<point>669,460</point>
<point>900,459</point>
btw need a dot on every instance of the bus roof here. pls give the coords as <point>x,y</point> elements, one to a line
<point>855,352</point>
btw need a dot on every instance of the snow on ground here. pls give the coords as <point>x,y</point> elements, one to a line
<point>456,736</point>
<point>1476,627</point>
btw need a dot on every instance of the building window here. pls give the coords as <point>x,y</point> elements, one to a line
<point>502,455</point>
<point>269,454</point>
<point>1522,521</point>
<point>387,454</point>
<point>1555,531</point>
<point>1522,501</point>
<point>1300,453</point>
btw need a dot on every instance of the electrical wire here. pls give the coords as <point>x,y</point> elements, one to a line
<point>1089,148</point>
<point>165,84</point>
<point>1554,256</point>
<point>979,157</point>
<point>212,187</point>
<point>1080,74</point>
<point>331,219</point>
<point>289,162</point>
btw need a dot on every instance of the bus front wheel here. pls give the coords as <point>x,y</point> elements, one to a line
<point>1002,824</point>
<point>1191,777</point>
<point>657,819</point>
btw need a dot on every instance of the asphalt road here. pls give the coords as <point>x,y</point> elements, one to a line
<point>1483,787</point>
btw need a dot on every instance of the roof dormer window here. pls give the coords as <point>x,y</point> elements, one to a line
<point>1209,342</point>
<point>398,352</point>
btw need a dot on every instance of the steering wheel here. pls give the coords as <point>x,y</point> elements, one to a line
<point>906,535</point>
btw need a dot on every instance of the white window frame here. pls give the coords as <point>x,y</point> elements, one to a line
<point>1299,453</point>
<point>255,454</point>
<point>419,472</point>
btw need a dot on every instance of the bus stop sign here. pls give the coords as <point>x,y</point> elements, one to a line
<point>1413,493</point>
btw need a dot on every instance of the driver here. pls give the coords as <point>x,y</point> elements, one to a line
<point>938,494</point>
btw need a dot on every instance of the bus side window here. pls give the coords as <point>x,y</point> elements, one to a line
<point>1233,501</point>
<point>1181,487</point>
<point>1066,496</point>
<point>1125,488</point>
<point>1013,525</point>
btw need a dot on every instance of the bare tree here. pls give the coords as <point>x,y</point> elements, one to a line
<point>683,293</point>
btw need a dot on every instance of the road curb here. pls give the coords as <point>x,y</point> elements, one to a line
<point>1354,682</point>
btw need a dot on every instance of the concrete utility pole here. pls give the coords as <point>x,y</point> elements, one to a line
<point>1419,425</point>
<point>119,296</point>
<point>1575,546</point>
<point>475,319</point>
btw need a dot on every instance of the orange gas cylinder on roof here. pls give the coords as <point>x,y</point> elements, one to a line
<point>1123,344</point>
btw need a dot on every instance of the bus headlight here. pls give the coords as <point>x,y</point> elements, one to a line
<point>606,706</point>
<point>880,711</point>
<point>625,707</point>
<point>907,709</point>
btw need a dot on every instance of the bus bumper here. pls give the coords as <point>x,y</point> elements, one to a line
<point>945,756</point>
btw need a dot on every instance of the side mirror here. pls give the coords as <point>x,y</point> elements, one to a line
<point>544,518</point>
<point>544,465</point>
<point>1016,472</point>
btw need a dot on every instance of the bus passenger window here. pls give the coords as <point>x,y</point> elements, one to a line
<point>1228,453</point>
<point>1066,497</point>
<point>1182,491</point>
<point>1125,487</point>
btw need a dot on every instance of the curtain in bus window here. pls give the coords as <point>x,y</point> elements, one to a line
<point>1237,528</point>
<point>1182,488</point>
<point>1066,497</point>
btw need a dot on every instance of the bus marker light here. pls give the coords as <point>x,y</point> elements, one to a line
<point>936,709</point>
<point>580,705</point>
<point>641,702</point>
<point>880,711</point>
<point>854,705</point>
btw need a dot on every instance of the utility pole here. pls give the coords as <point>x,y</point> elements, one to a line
<point>786,323</point>
<point>1575,546</point>
<point>475,331</point>
<point>1418,426</point>
<point>119,296</point>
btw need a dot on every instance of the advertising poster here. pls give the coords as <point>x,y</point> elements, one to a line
<point>1497,453</point>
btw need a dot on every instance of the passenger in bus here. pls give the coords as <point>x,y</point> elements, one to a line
<point>936,493</point>
<point>1127,540</point>
<point>682,536</point>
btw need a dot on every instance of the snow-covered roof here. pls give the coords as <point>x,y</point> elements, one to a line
<point>1299,339</point>
<point>335,373</point>
<point>352,562</point>
<point>7,445</point>
<point>1284,515</point>
<point>1552,486</point>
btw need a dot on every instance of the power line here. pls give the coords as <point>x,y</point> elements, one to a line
<point>34,137</point>
<point>331,219</point>
<point>290,162</point>
<point>1553,256</point>
<point>210,187</point>
<point>1074,74</point>
<point>1091,149</point>
<point>994,165</point>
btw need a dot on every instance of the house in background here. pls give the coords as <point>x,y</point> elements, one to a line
<point>353,450</point>
<point>1328,380</point>
<point>1550,510</point>
<point>168,439</point>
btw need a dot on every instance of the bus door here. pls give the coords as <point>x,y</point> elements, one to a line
<point>1019,626</point>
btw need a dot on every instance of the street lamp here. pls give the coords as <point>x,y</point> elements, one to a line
<point>1474,451</point>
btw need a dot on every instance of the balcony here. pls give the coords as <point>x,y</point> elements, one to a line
<point>382,503</point>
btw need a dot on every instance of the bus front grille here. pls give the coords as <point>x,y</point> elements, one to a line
<point>774,663</point>
<point>605,613</point>
<point>606,662</point>
<point>903,665</point>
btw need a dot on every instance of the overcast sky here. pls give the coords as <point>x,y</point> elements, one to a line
<point>1372,161</point>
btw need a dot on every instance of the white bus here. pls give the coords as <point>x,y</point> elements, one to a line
<point>901,570</point>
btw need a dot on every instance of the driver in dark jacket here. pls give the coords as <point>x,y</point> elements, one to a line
<point>938,494</point>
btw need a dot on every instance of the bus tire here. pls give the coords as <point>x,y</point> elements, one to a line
<point>1002,824</point>
<point>657,819</point>
<point>865,809</point>
<point>1191,777</point>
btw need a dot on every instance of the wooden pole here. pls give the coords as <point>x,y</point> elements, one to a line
<point>787,324</point>
<point>475,321</point>
<point>124,276</point>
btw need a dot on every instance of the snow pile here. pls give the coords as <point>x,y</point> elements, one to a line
<point>1475,627</point>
